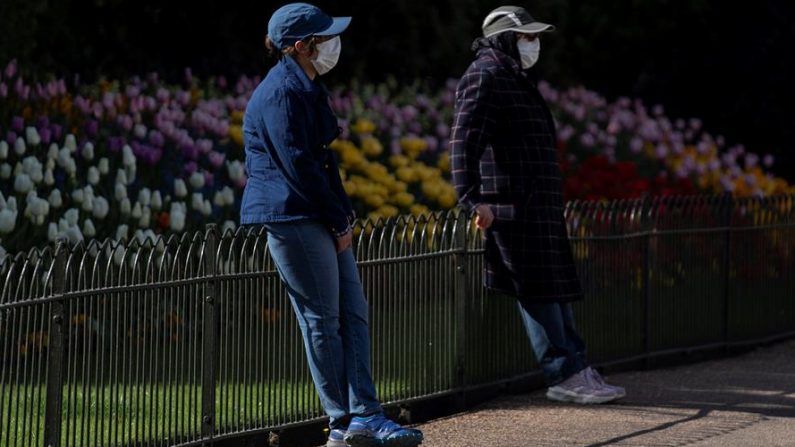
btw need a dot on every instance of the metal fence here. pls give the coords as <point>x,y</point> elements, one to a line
<point>185,341</point>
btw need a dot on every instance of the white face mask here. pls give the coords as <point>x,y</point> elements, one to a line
<point>328,53</point>
<point>528,51</point>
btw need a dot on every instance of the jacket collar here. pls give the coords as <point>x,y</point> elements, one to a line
<point>507,61</point>
<point>291,68</point>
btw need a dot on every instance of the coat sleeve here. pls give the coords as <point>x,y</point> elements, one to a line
<point>286,119</point>
<point>473,124</point>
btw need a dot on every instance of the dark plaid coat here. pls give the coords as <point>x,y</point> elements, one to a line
<point>503,155</point>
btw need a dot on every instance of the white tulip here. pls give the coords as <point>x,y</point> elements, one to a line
<point>3,254</point>
<point>145,196</point>
<point>121,177</point>
<point>3,150</point>
<point>120,192</point>
<point>93,175</point>
<point>101,208</point>
<point>197,180</point>
<point>71,167</point>
<point>12,203</point>
<point>118,254</point>
<point>49,179</point>
<point>55,199</point>
<point>18,169</point>
<point>71,143</point>
<point>207,208</point>
<point>146,217</point>
<point>63,157</point>
<point>32,135</point>
<point>89,229</point>
<point>78,195</point>
<point>235,169</point>
<point>104,166</point>
<point>36,207</point>
<point>73,234</point>
<point>228,225</point>
<point>72,216</point>
<point>88,151</point>
<point>218,199</point>
<point>130,171</point>
<point>23,183</point>
<point>63,225</point>
<point>8,220</point>
<point>136,211</point>
<point>121,232</point>
<point>229,195</point>
<point>180,190</point>
<point>52,232</point>
<point>124,206</point>
<point>50,163</point>
<point>128,158</point>
<point>2,201</point>
<point>177,216</point>
<point>157,201</point>
<point>197,201</point>
<point>139,130</point>
<point>88,202</point>
<point>19,146</point>
<point>5,171</point>
<point>53,151</point>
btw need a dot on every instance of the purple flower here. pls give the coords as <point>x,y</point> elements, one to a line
<point>751,160</point>
<point>768,161</point>
<point>191,167</point>
<point>442,130</point>
<point>115,144</point>
<point>92,128</point>
<point>156,138</point>
<point>3,90</point>
<point>11,69</point>
<point>587,140</point>
<point>636,145</point>
<point>661,151</point>
<point>57,131</point>
<point>209,179</point>
<point>11,137</point>
<point>216,159</point>
<point>18,123</point>
<point>45,135</point>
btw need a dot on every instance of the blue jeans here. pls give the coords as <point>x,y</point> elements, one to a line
<point>328,299</point>
<point>558,347</point>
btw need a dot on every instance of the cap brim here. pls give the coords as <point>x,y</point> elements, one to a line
<point>338,25</point>
<point>535,27</point>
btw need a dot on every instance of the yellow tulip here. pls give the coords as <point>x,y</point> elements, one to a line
<point>444,162</point>
<point>372,147</point>
<point>363,127</point>
<point>236,134</point>
<point>398,160</point>
<point>403,199</point>
<point>407,174</point>
<point>388,211</point>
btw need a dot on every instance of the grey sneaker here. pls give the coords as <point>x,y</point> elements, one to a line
<point>336,438</point>
<point>581,389</point>
<point>596,377</point>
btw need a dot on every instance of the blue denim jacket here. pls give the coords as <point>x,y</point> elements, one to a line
<point>292,174</point>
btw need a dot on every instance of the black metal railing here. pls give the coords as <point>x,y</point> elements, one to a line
<point>190,340</point>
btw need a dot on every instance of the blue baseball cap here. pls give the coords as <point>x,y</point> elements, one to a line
<point>297,21</point>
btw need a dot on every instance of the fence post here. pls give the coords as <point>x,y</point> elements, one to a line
<point>646,228</point>
<point>55,351</point>
<point>729,212</point>
<point>460,231</point>
<point>209,335</point>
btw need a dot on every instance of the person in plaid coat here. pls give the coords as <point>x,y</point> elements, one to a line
<point>504,163</point>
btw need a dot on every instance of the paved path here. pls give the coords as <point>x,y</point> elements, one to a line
<point>744,401</point>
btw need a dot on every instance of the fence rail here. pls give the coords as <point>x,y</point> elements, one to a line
<point>189,340</point>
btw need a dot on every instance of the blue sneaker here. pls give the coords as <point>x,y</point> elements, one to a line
<point>376,430</point>
<point>336,438</point>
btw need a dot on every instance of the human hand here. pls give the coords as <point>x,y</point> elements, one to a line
<point>485,216</point>
<point>344,242</point>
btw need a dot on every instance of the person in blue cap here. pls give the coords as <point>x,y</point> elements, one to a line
<point>294,190</point>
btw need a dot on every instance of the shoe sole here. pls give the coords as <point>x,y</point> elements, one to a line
<point>362,440</point>
<point>588,399</point>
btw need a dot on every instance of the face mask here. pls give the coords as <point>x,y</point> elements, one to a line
<point>328,53</point>
<point>528,51</point>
